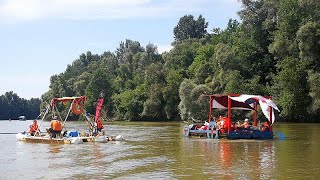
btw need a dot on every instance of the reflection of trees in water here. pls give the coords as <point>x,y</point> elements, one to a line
<point>228,159</point>
<point>256,159</point>
<point>267,159</point>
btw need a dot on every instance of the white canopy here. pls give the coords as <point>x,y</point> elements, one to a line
<point>264,104</point>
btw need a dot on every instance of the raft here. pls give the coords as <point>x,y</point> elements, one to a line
<point>224,127</point>
<point>66,140</point>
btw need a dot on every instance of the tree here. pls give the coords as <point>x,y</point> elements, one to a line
<point>289,18</point>
<point>189,28</point>
<point>186,103</point>
<point>99,83</point>
<point>202,66</point>
<point>153,106</point>
<point>129,104</point>
<point>200,101</point>
<point>233,82</point>
<point>308,37</point>
<point>291,89</point>
<point>171,92</point>
<point>81,84</point>
<point>12,106</point>
<point>314,81</point>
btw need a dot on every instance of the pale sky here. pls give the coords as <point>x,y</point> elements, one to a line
<point>39,38</point>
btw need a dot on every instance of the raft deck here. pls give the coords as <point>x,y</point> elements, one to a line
<point>46,140</point>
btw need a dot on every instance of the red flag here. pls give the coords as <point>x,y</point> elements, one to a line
<point>98,108</point>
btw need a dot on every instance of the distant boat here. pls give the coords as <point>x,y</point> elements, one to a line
<point>22,118</point>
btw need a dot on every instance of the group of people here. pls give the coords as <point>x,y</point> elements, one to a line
<point>55,128</point>
<point>222,125</point>
<point>263,127</point>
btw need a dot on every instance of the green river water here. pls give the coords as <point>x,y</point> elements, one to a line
<point>155,150</point>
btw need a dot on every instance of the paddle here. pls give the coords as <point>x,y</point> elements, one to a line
<point>17,133</point>
<point>7,133</point>
<point>281,136</point>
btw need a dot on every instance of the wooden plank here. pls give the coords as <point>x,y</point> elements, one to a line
<point>47,141</point>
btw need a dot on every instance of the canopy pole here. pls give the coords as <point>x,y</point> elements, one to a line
<point>270,123</point>
<point>44,115</point>
<point>255,114</point>
<point>67,114</point>
<point>210,109</point>
<point>229,113</point>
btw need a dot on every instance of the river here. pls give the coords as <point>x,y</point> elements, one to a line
<point>155,150</point>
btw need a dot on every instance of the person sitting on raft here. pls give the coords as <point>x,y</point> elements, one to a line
<point>221,122</point>
<point>245,124</point>
<point>55,128</point>
<point>265,126</point>
<point>34,128</point>
<point>205,126</point>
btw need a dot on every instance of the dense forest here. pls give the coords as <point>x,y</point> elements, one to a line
<point>12,106</point>
<point>273,50</point>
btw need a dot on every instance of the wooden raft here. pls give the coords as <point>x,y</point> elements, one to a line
<point>46,140</point>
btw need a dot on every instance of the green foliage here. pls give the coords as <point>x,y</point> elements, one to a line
<point>99,83</point>
<point>308,41</point>
<point>202,66</point>
<point>186,104</point>
<point>129,104</point>
<point>194,103</point>
<point>314,81</point>
<point>291,89</point>
<point>289,19</point>
<point>189,28</point>
<point>233,82</point>
<point>182,55</point>
<point>153,106</point>
<point>171,92</point>
<point>80,85</point>
<point>200,101</point>
<point>273,50</point>
<point>12,106</point>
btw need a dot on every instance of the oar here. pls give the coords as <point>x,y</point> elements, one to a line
<point>281,136</point>
<point>7,133</point>
<point>17,133</point>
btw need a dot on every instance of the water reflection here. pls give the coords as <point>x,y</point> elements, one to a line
<point>54,148</point>
<point>97,154</point>
<point>227,159</point>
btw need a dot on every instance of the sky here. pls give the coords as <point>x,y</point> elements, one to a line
<point>39,38</point>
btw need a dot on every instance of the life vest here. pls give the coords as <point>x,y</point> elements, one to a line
<point>225,122</point>
<point>99,125</point>
<point>56,125</point>
<point>33,128</point>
